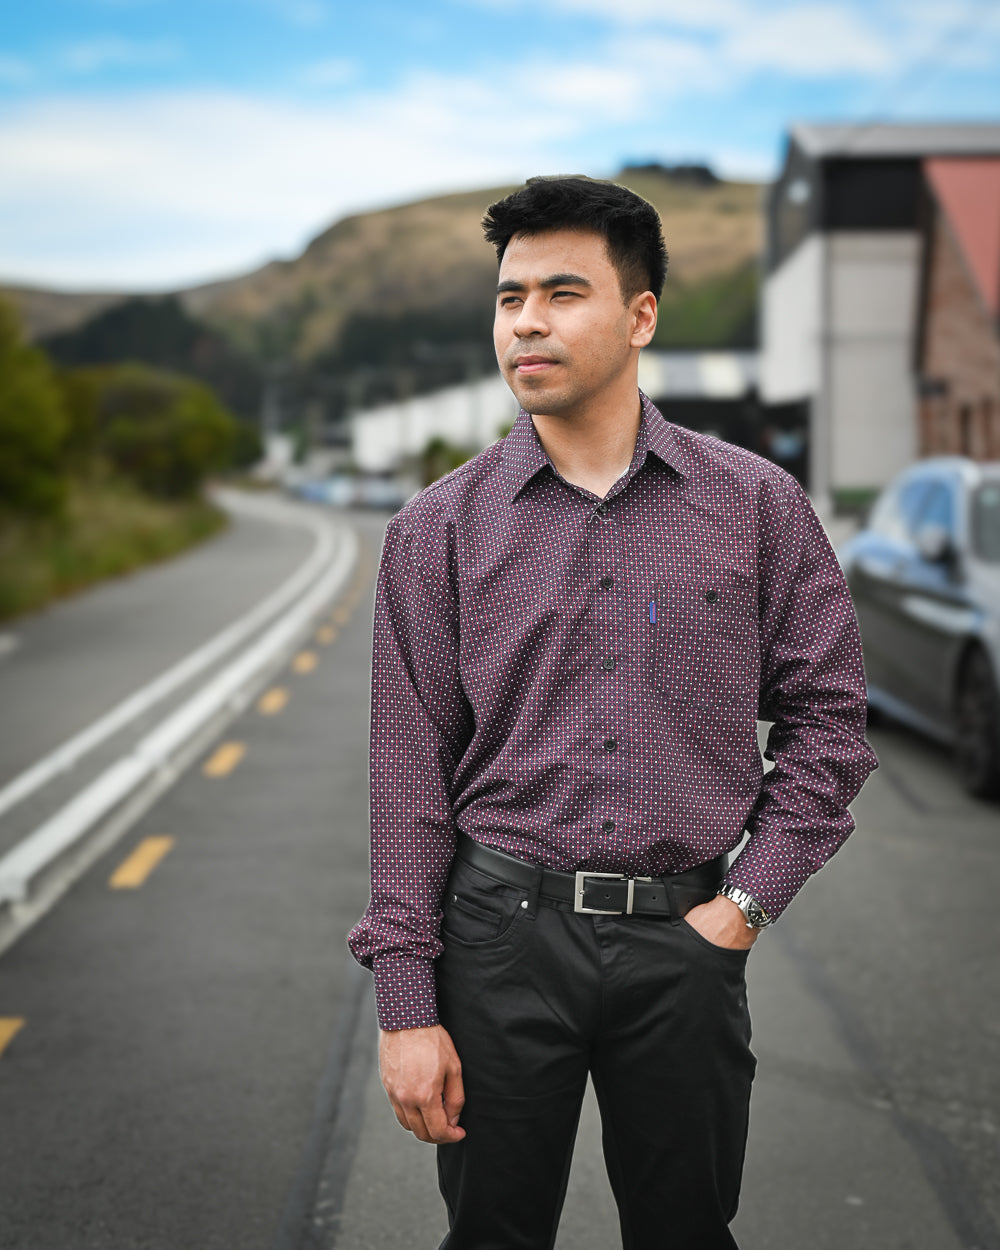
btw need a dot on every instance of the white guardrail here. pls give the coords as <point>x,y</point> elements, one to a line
<point>323,573</point>
<point>69,754</point>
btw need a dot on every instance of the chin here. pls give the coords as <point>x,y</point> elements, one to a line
<point>540,401</point>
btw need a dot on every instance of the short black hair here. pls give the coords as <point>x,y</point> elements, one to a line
<point>629,224</point>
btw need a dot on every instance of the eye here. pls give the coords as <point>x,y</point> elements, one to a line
<point>508,301</point>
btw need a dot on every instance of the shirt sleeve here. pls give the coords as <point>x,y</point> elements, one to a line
<point>421,724</point>
<point>813,689</point>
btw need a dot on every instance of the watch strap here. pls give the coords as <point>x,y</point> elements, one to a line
<point>755,915</point>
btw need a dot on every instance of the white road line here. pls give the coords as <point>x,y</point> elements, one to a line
<point>74,749</point>
<point>153,754</point>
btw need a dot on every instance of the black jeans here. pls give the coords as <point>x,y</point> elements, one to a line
<point>535,997</point>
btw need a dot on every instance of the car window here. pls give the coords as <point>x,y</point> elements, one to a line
<point>938,508</point>
<point>897,512</point>
<point>986,522</point>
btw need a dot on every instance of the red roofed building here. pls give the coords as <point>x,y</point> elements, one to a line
<point>958,347</point>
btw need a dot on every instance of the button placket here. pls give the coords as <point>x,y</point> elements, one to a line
<point>607,643</point>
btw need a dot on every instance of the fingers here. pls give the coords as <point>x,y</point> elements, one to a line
<point>422,1076</point>
<point>427,1121</point>
<point>437,1122</point>
<point>454,1095</point>
<point>399,1113</point>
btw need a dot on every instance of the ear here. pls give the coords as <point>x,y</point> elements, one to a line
<point>642,309</point>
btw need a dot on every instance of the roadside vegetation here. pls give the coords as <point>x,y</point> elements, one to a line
<point>102,469</point>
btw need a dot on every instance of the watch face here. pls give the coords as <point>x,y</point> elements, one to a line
<point>756,914</point>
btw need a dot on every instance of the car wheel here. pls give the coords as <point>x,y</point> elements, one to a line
<point>977,726</point>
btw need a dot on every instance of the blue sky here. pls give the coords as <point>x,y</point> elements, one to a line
<point>146,144</point>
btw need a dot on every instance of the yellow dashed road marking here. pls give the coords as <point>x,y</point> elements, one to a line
<point>224,759</point>
<point>305,661</point>
<point>272,701</point>
<point>342,614</point>
<point>9,1025</point>
<point>133,872</point>
<point>326,634</point>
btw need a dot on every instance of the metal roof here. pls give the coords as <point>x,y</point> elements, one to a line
<point>917,139</point>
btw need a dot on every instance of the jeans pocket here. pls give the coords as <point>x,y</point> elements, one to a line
<point>735,955</point>
<point>479,912</point>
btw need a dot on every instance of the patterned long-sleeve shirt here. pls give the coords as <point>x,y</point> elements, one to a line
<point>577,681</point>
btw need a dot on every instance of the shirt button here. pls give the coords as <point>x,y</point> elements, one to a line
<point>600,510</point>
<point>608,663</point>
<point>608,826</point>
<point>610,744</point>
<point>607,582</point>
<point>711,595</point>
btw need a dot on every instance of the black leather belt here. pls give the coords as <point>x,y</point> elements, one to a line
<point>600,893</point>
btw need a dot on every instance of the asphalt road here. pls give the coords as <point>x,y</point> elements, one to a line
<point>195,1067</point>
<point>130,631</point>
<point>67,667</point>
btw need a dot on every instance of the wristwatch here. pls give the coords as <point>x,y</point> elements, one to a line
<point>756,916</point>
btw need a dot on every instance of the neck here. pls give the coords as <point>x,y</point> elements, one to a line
<point>593,446</point>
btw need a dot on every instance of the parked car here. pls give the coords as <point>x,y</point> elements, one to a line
<point>925,576</point>
<point>343,490</point>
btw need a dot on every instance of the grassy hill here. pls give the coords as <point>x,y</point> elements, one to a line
<point>401,298</point>
<point>428,258</point>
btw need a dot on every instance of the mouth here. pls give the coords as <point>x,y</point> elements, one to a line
<point>533,364</point>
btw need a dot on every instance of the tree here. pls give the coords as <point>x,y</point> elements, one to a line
<point>33,426</point>
<point>440,457</point>
<point>166,432</point>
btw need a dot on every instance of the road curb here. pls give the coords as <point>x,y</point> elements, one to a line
<point>39,870</point>
<point>140,701</point>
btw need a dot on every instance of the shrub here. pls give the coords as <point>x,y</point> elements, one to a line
<point>164,432</point>
<point>33,427</point>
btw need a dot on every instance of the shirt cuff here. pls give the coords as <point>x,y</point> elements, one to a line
<point>405,993</point>
<point>771,870</point>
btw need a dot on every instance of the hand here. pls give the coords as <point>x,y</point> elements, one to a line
<point>722,923</point>
<point>422,1075</point>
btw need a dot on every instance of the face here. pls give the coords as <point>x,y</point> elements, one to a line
<point>562,333</point>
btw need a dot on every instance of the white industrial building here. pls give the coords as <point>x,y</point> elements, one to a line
<point>475,414</point>
<point>842,290</point>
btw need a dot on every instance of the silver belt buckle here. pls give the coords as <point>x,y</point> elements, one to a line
<point>605,911</point>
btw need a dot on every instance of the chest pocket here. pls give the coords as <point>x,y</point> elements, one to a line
<point>703,640</point>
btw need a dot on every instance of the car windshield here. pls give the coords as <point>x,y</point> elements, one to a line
<point>986,522</point>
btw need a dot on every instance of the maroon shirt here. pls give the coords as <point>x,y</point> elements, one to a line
<point>577,682</point>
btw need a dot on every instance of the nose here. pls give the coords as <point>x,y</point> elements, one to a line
<point>530,319</point>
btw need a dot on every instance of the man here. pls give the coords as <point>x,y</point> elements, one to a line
<point>575,634</point>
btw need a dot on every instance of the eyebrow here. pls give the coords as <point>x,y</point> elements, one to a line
<point>556,279</point>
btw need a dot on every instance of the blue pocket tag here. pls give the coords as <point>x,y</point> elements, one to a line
<point>652,611</point>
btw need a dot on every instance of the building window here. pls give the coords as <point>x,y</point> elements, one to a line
<point>966,431</point>
<point>991,428</point>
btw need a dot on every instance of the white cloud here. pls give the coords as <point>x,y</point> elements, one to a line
<point>333,72</point>
<point>166,187</point>
<point>169,187</point>
<point>693,14</point>
<point>811,39</point>
<point>940,33</point>
<point>808,41</point>
<point>158,188</point>
<point>93,55</point>
<point>745,164</point>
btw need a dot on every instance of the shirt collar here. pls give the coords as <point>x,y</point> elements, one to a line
<point>523,455</point>
<point>661,438</point>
